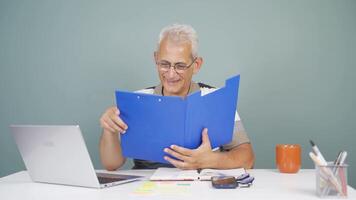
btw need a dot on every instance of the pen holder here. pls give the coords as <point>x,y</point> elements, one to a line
<point>331,180</point>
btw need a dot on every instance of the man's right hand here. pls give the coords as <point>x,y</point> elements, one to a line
<point>111,122</point>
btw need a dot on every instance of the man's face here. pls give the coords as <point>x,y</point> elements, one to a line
<point>176,84</point>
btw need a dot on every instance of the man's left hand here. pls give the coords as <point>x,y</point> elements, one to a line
<point>199,158</point>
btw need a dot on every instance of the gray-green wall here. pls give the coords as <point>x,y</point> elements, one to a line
<point>60,62</point>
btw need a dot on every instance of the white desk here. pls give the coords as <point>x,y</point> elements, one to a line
<point>269,184</point>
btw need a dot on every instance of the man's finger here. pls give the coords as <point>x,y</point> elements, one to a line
<point>205,137</point>
<point>116,111</point>
<point>119,122</point>
<point>177,155</point>
<point>112,125</point>
<point>107,127</point>
<point>182,150</point>
<point>176,163</point>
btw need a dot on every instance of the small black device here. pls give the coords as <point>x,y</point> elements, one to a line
<point>224,182</point>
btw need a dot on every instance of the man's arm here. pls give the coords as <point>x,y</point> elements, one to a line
<point>110,151</point>
<point>240,156</point>
<point>109,146</point>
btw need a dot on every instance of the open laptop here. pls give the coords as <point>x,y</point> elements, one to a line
<point>58,154</point>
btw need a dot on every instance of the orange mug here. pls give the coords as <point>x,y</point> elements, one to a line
<point>288,157</point>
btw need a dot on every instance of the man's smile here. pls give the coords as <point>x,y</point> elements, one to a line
<point>172,82</point>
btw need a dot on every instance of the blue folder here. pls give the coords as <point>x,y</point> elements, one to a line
<point>156,122</point>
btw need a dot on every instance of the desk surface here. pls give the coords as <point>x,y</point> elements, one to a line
<point>269,184</point>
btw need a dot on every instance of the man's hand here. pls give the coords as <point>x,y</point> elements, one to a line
<point>111,122</point>
<point>192,158</point>
<point>110,148</point>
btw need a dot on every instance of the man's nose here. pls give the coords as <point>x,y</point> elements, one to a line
<point>172,72</point>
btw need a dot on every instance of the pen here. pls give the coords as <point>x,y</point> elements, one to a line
<point>342,173</point>
<point>343,158</point>
<point>338,158</point>
<point>339,161</point>
<point>318,153</point>
<point>315,159</point>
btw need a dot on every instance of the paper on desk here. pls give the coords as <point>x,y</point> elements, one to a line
<point>206,174</point>
<point>167,174</point>
<point>149,188</point>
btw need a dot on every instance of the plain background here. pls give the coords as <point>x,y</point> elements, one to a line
<point>61,61</point>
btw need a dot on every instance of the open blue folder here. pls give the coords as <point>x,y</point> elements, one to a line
<point>156,122</point>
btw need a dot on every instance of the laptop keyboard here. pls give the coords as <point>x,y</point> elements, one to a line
<point>104,180</point>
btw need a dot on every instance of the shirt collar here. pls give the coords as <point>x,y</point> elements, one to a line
<point>193,88</point>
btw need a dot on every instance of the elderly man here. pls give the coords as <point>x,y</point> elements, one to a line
<point>177,61</point>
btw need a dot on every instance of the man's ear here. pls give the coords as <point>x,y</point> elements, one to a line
<point>198,64</point>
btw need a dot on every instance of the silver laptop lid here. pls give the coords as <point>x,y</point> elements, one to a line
<point>55,154</point>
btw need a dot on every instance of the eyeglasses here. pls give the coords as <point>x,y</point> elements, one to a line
<point>179,67</point>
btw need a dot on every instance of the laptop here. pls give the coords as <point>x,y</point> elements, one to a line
<point>58,155</point>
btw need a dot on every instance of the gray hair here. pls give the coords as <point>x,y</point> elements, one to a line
<point>180,33</point>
